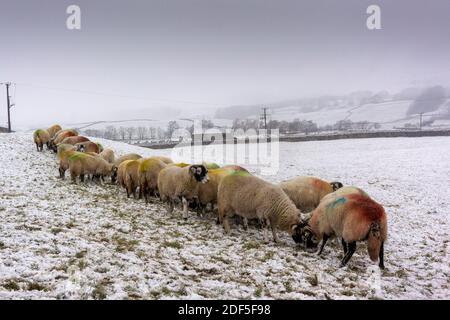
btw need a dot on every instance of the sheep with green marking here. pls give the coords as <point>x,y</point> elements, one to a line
<point>41,137</point>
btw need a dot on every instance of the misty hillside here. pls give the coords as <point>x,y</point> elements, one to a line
<point>389,110</point>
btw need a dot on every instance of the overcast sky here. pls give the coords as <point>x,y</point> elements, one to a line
<point>192,54</point>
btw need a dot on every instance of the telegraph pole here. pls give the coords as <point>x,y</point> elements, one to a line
<point>264,117</point>
<point>8,105</point>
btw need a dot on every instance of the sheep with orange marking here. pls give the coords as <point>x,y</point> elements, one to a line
<point>41,137</point>
<point>73,140</point>
<point>60,136</point>
<point>353,217</point>
<point>88,146</point>
<point>306,192</point>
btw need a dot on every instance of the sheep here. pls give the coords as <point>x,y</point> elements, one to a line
<point>53,130</point>
<point>63,153</point>
<point>149,170</point>
<point>131,176</point>
<point>129,156</point>
<point>73,140</point>
<point>175,182</point>
<point>121,173</point>
<point>166,160</point>
<point>352,217</point>
<point>251,197</point>
<point>306,192</point>
<point>88,146</point>
<point>108,155</point>
<point>207,192</point>
<point>60,136</point>
<point>41,137</point>
<point>81,164</point>
<point>210,165</point>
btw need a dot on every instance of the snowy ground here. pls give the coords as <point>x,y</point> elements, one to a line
<point>64,241</point>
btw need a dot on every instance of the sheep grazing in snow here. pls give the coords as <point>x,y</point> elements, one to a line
<point>207,192</point>
<point>131,176</point>
<point>41,137</point>
<point>63,153</point>
<point>166,160</point>
<point>179,181</point>
<point>81,164</point>
<point>253,198</point>
<point>88,146</point>
<point>108,155</point>
<point>128,156</point>
<point>60,136</point>
<point>352,217</point>
<point>73,140</point>
<point>53,130</point>
<point>149,170</point>
<point>306,192</point>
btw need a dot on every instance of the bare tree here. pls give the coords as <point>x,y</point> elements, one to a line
<point>122,133</point>
<point>142,133</point>
<point>111,133</point>
<point>130,132</point>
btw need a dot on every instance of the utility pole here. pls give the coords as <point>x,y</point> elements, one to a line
<point>264,117</point>
<point>8,105</point>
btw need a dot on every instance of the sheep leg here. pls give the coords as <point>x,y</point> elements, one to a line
<point>37,147</point>
<point>226,224</point>
<point>324,241</point>
<point>245,223</point>
<point>62,173</point>
<point>265,226</point>
<point>185,207</point>
<point>344,245</point>
<point>381,256</point>
<point>170,208</point>
<point>351,250</point>
<point>274,231</point>
<point>82,177</point>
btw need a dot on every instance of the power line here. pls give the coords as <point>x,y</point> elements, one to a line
<point>119,95</point>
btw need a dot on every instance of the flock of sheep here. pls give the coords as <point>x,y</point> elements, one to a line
<point>311,210</point>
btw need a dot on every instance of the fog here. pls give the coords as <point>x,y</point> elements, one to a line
<point>169,59</point>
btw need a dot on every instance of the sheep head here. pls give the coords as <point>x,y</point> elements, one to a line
<point>199,172</point>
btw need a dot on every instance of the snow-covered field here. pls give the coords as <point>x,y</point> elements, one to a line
<point>59,240</point>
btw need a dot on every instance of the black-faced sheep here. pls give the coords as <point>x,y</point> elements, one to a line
<point>352,217</point>
<point>177,182</point>
<point>253,198</point>
<point>88,146</point>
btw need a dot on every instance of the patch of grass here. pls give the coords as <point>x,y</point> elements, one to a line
<point>251,245</point>
<point>221,259</point>
<point>11,285</point>
<point>36,286</point>
<point>99,292</point>
<point>313,280</point>
<point>55,231</point>
<point>307,293</point>
<point>172,244</point>
<point>288,286</point>
<point>2,245</point>
<point>347,293</point>
<point>82,264</point>
<point>123,244</point>
<point>80,254</point>
<point>258,292</point>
